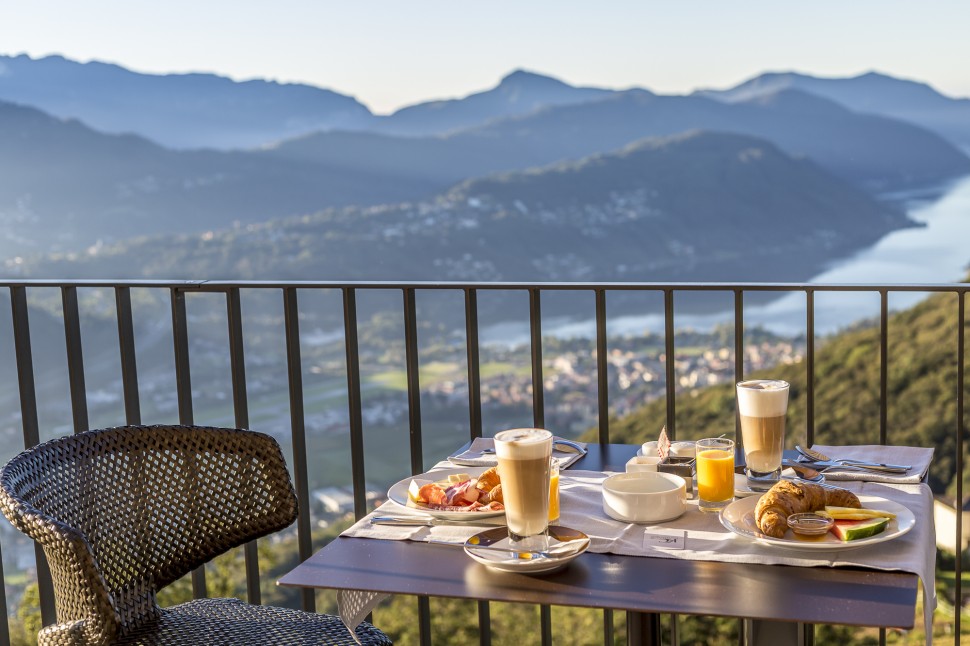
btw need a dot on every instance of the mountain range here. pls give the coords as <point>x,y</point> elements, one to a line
<point>81,165</point>
<point>175,110</point>
<point>696,206</point>
<point>872,93</point>
<point>65,186</point>
<point>872,151</point>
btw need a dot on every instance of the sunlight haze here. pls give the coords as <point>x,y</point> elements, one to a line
<point>390,54</point>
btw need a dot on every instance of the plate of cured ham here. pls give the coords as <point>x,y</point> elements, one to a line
<point>453,494</point>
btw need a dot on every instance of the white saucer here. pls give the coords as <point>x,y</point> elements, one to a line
<point>506,562</point>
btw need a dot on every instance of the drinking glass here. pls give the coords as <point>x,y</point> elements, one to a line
<point>715,473</point>
<point>762,406</point>
<point>553,490</point>
<point>523,466</point>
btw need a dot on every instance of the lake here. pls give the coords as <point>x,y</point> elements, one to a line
<point>935,253</point>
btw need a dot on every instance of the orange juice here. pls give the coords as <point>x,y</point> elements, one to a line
<point>715,475</point>
<point>554,494</point>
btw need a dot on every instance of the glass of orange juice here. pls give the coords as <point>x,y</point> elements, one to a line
<point>715,473</point>
<point>553,490</point>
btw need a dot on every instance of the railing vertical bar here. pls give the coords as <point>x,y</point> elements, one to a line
<point>475,424</point>
<point>474,365</point>
<point>883,384</point>
<point>484,624</point>
<point>75,358</point>
<point>4,627</point>
<point>669,362</point>
<point>354,406</point>
<point>183,388</point>
<point>535,329</point>
<point>240,402</point>
<point>961,433</point>
<point>180,339</point>
<point>883,366</point>
<point>738,360</point>
<point>602,375</point>
<point>808,630</point>
<point>294,369</point>
<point>545,624</point>
<point>738,377</point>
<point>424,621</point>
<point>126,348</point>
<point>538,413</point>
<point>609,638</point>
<point>31,429</point>
<point>412,366</point>
<point>810,367</point>
<point>603,396</point>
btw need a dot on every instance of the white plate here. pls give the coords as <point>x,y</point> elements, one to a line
<point>504,561</point>
<point>739,518</point>
<point>399,494</point>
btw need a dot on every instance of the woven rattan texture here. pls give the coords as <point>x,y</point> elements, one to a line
<point>123,512</point>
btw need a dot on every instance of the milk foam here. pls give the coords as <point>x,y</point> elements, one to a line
<point>763,397</point>
<point>523,443</point>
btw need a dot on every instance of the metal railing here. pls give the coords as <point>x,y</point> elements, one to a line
<point>291,314</point>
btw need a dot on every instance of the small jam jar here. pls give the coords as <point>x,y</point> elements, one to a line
<point>810,524</point>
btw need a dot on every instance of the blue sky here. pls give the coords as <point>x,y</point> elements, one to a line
<point>390,53</point>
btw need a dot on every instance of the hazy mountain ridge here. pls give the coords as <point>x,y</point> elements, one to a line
<point>872,93</point>
<point>175,110</point>
<point>869,150</point>
<point>679,208</point>
<point>519,92</point>
<point>66,186</point>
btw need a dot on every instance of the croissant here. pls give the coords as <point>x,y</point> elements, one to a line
<point>488,480</point>
<point>787,497</point>
<point>493,495</point>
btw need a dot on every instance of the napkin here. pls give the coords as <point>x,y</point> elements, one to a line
<point>473,456</point>
<point>918,457</point>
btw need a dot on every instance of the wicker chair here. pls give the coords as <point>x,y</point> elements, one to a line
<point>123,512</point>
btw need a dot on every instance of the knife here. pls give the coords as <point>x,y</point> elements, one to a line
<point>414,521</point>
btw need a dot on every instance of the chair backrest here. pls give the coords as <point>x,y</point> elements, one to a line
<point>123,512</point>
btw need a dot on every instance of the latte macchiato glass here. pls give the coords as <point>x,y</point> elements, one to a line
<point>762,405</point>
<point>523,466</point>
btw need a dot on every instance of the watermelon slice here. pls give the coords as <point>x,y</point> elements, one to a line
<point>853,530</point>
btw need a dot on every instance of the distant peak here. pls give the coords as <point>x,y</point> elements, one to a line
<point>520,77</point>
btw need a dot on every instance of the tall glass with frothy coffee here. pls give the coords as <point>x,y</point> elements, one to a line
<point>523,466</point>
<point>762,405</point>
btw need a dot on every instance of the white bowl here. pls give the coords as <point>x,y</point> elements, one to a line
<point>644,497</point>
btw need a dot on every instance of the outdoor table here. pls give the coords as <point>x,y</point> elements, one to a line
<point>640,585</point>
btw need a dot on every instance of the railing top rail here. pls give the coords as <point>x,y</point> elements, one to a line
<point>222,285</point>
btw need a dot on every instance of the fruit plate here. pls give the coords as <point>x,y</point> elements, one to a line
<point>399,493</point>
<point>738,517</point>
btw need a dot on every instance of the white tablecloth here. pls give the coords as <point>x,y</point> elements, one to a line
<point>706,540</point>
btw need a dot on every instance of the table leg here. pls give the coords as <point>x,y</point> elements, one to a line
<point>642,629</point>
<point>770,633</point>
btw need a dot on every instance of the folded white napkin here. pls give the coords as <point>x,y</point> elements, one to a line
<point>919,458</point>
<point>473,456</point>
